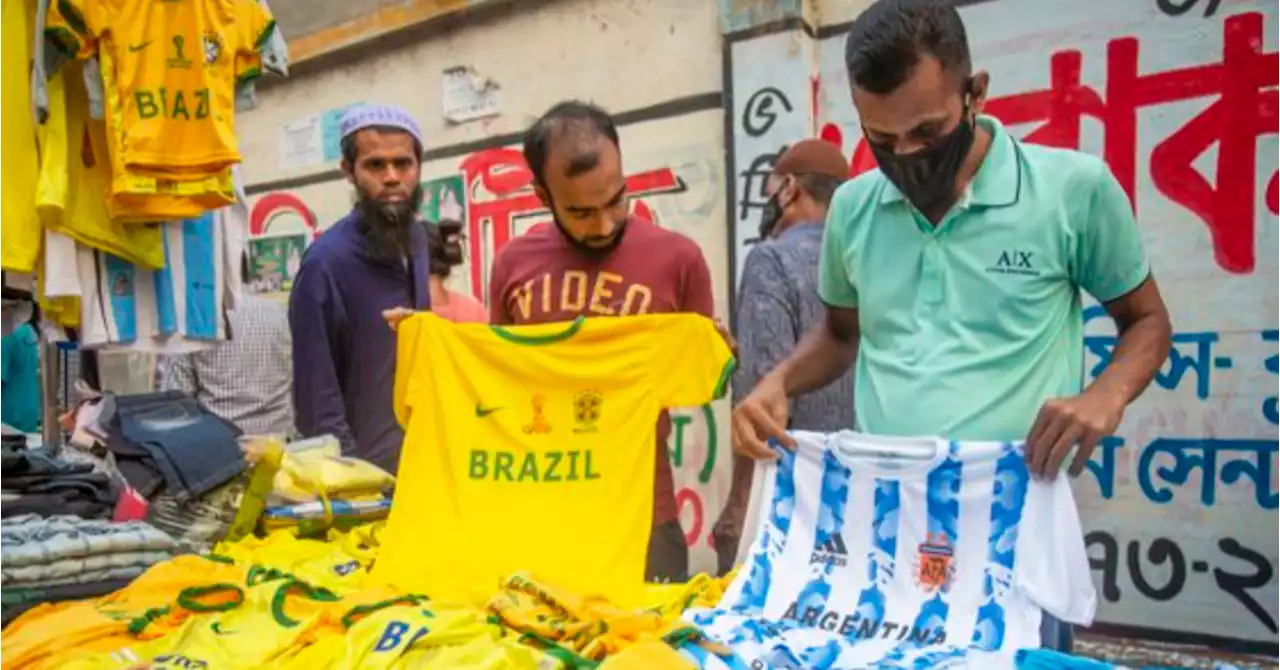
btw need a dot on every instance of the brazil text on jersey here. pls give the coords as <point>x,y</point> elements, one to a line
<point>853,625</point>
<point>547,466</point>
<point>159,103</point>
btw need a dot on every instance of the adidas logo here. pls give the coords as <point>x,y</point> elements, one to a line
<point>831,552</point>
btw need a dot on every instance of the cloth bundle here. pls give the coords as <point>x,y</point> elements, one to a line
<point>35,482</point>
<point>290,603</point>
<point>66,557</point>
<point>169,441</point>
<point>317,488</point>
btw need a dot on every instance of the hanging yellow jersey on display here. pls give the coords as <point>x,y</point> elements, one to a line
<point>531,449</point>
<point>75,178</point>
<point>174,67</point>
<point>20,244</point>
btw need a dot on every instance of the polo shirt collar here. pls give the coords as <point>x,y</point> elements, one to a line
<point>997,181</point>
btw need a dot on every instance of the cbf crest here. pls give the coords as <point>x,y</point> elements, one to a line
<point>212,48</point>
<point>587,406</point>
<point>934,567</point>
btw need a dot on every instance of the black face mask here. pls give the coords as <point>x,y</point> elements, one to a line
<point>771,215</point>
<point>927,178</point>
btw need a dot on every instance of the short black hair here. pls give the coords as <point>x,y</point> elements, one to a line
<point>348,143</point>
<point>571,118</point>
<point>820,187</point>
<point>888,39</point>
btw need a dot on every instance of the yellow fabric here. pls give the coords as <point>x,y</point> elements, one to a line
<point>140,198</point>
<point>157,602</point>
<point>325,564</point>
<point>380,639</point>
<point>531,448</point>
<point>589,627</point>
<point>323,472</point>
<point>646,656</point>
<point>174,67</point>
<point>671,600</point>
<point>75,178</point>
<point>20,244</point>
<point>62,310</point>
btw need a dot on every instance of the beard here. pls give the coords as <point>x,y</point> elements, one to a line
<point>386,225</point>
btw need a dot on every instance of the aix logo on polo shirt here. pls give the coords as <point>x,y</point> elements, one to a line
<point>1015,262</point>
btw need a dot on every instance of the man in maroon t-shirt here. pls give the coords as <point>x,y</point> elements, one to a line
<point>598,261</point>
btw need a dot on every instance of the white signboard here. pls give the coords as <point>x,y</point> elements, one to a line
<point>301,144</point>
<point>466,96</point>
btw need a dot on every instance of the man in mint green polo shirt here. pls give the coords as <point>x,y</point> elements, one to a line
<point>953,274</point>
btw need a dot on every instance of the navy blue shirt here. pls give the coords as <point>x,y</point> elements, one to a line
<point>344,354</point>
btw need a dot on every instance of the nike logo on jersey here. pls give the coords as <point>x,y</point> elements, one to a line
<point>216,627</point>
<point>135,48</point>
<point>830,552</point>
<point>482,411</point>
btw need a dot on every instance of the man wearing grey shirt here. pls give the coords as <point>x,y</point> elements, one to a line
<point>247,380</point>
<point>778,302</point>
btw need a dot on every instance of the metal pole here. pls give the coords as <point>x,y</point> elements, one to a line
<point>50,380</point>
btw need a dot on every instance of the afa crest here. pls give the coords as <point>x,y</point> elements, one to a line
<point>587,406</point>
<point>934,569</point>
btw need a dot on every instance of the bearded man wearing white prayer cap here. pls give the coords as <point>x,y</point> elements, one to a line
<point>374,259</point>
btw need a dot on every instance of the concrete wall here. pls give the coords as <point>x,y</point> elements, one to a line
<point>656,65</point>
<point>1179,506</point>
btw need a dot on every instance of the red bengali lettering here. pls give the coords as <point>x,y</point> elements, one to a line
<point>270,205</point>
<point>499,190</point>
<point>690,497</point>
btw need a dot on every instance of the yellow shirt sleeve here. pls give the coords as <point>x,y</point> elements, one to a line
<point>406,384</point>
<point>254,25</point>
<point>73,26</point>
<point>692,363</point>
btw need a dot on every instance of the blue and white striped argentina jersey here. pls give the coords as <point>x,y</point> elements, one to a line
<point>879,552</point>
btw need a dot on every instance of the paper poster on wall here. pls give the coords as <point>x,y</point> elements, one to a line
<point>443,198</point>
<point>274,262</point>
<point>331,131</point>
<point>467,96</point>
<point>301,144</point>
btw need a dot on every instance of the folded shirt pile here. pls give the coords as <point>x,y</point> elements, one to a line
<point>317,488</point>
<point>168,442</point>
<point>66,557</point>
<point>34,481</point>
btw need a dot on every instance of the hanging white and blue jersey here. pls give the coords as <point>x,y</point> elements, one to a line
<point>145,309</point>
<point>878,552</point>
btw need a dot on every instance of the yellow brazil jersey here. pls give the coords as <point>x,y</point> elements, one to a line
<point>173,67</point>
<point>154,604</point>
<point>75,178</point>
<point>531,449</point>
<point>21,159</point>
<point>333,565</point>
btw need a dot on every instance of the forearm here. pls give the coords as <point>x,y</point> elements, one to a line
<point>823,355</point>
<point>1140,351</point>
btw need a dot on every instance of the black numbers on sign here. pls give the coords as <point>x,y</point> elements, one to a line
<point>1238,586</point>
<point>1165,553</point>
<point>1180,7</point>
<point>761,111</point>
<point>1160,552</point>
